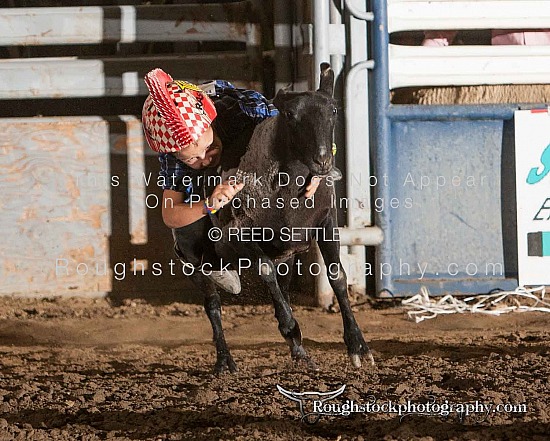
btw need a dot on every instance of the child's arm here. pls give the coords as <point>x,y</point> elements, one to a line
<point>176,213</point>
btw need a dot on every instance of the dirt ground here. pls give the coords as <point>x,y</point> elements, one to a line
<point>82,369</point>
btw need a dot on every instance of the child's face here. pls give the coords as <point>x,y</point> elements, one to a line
<point>206,152</point>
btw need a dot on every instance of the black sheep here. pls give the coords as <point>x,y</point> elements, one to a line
<point>295,145</point>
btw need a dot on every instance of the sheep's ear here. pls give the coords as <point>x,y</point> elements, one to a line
<point>326,82</point>
<point>279,98</point>
<point>285,89</point>
<point>283,95</point>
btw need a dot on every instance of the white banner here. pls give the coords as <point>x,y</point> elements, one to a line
<point>533,195</point>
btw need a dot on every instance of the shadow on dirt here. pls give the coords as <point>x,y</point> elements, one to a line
<point>451,352</point>
<point>211,424</point>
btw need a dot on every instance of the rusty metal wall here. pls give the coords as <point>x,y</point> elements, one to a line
<point>50,210</point>
<point>80,211</point>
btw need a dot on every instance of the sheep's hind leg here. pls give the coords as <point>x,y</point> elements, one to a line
<point>353,337</point>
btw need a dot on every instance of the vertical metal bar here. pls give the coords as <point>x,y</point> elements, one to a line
<point>382,135</point>
<point>137,191</point>
<point>337,64</point>
<point>357,146</point>
<point>321,54</point>
<point>336,60</point>
<point>128,24</point>
<point>357,130</point>
<point>357,123</point>
<point>321,20</point>
<point>282,34</point>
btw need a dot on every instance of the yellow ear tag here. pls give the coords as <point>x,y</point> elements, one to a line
<point>334,149</point>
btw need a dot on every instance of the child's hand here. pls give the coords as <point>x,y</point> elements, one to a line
<point>223,193</point>
<point>312,186</point>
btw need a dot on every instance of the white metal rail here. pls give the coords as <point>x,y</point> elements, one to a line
<point>468,65</point>
<point>125,24</point>
<point>406,15</point>
<point>73,77</point>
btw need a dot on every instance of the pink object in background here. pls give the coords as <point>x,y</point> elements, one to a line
<point>523,37</point>
<point>438,38</point>
<point>520,37</point>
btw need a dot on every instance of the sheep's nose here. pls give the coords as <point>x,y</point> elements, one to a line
<point>324,157</point>
<point>324,163</point>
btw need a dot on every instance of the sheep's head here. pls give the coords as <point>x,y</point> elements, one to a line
<point>309,119</point>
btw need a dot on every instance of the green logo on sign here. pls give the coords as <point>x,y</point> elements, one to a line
<point>534,176</point>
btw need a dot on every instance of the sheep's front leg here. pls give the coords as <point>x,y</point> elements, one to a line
<point>212,307</point>
<point>330,250</point>
<point>285,278</point>
<point>288,325</point>
<point>264,267</point>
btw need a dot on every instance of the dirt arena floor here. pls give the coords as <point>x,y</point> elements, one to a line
<point>82,369</point>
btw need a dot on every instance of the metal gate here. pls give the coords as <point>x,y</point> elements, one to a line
<point>450,168</point>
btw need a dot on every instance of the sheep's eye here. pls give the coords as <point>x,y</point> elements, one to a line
<point>334,111</point>
<point>290,115</point>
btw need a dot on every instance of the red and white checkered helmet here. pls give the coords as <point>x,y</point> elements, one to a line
<point>175,114</point>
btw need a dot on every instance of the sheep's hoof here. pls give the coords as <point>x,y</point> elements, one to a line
<point>301,357</point>
<point>356,359</point>
<point>370,358</point>
<point>306,362</point>
<point>224,364</point>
